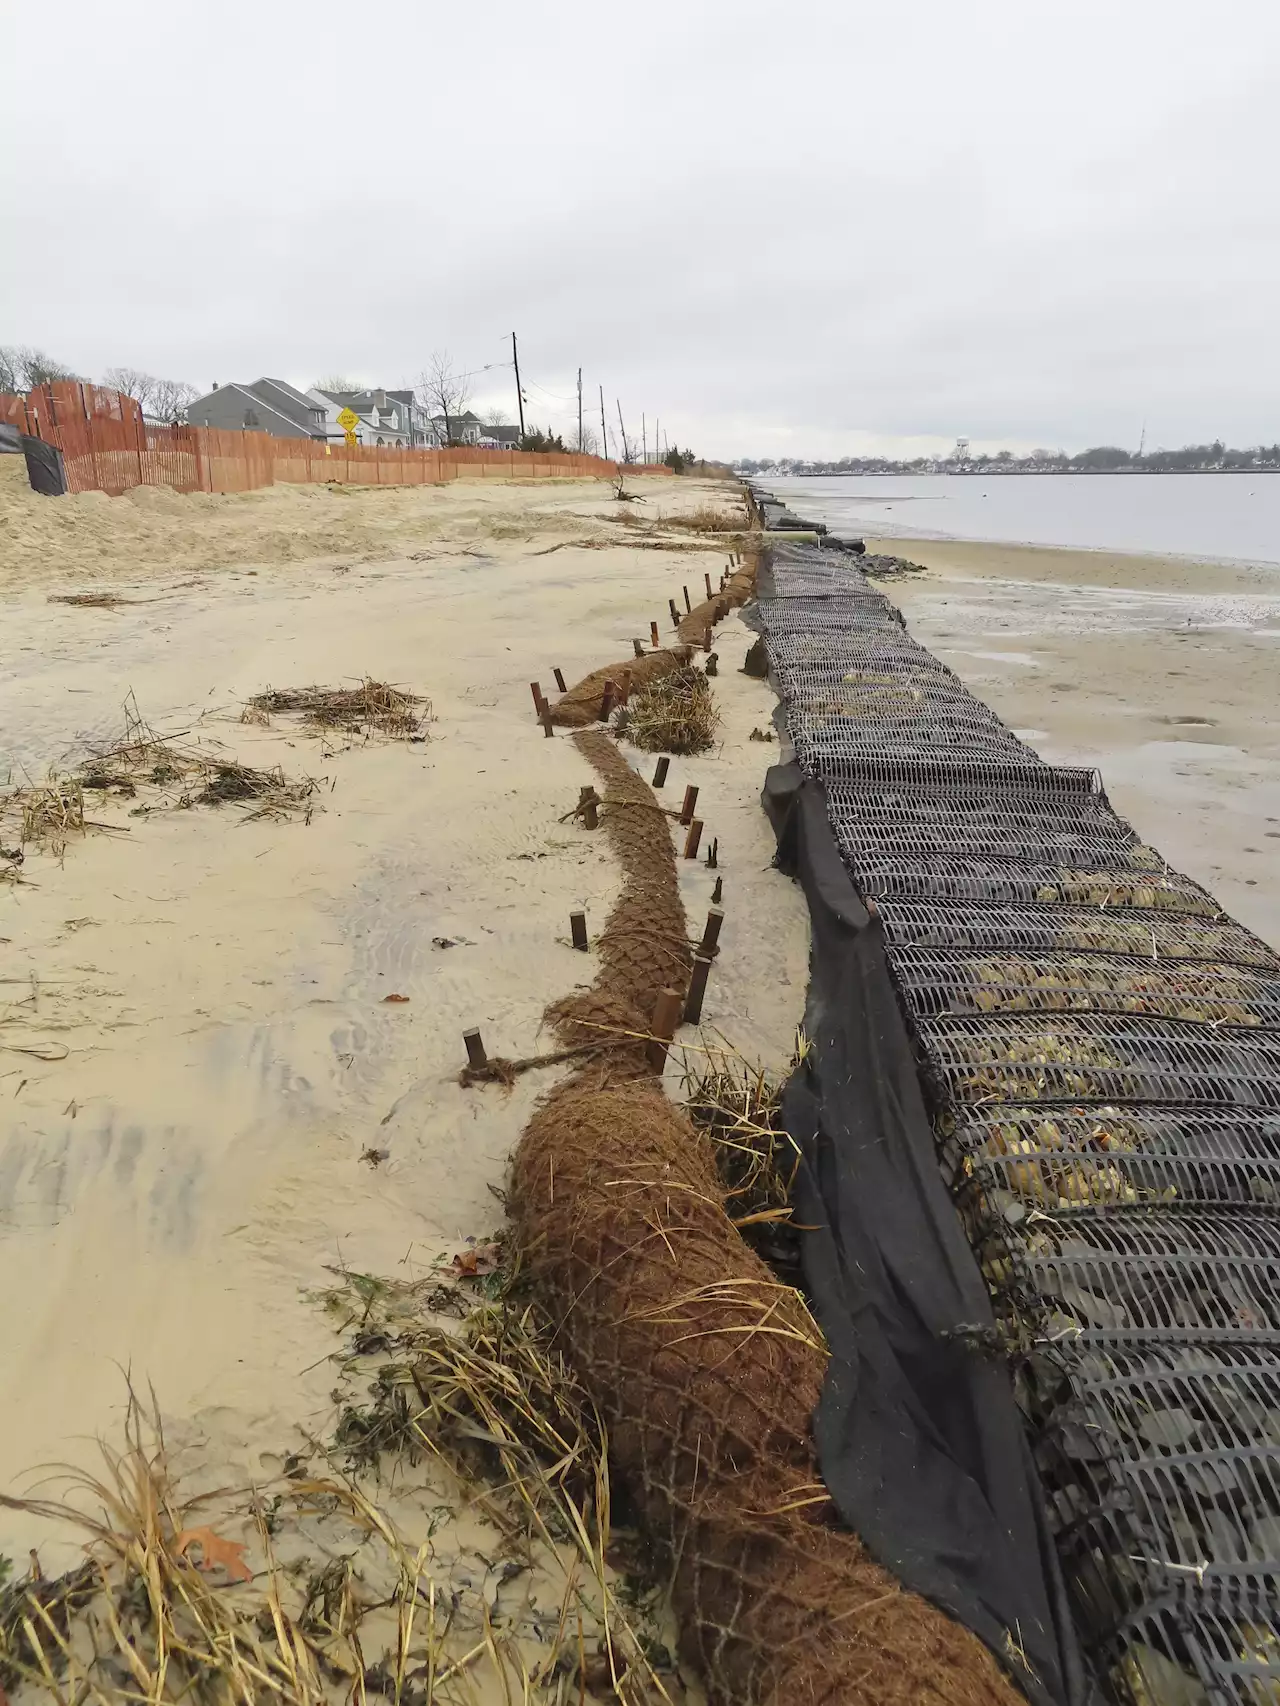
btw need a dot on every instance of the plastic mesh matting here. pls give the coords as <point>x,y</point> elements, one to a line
<point>1066,1058</point>
<point>1100,929</point>
<point>1101,1048</point>
<point>992,879</point>
<point>936,980</point>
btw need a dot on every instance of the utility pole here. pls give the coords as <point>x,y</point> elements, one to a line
<point>626,450</point>
<point>657,441</point>
<point>515,361</point>
<point>644,440</point>
<point>579,411</point>
<point>604,431</point>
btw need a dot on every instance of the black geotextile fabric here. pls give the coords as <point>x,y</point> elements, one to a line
<point>919,1440</point>
<point>44,467</point>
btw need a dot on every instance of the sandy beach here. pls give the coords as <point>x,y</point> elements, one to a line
<point>1160,671</point>
<point>209,1100</point>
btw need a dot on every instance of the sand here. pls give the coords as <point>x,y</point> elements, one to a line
<point>178,1181</point>
<point>1162,672</point>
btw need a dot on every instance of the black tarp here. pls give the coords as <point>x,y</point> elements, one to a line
<point>44,467</point>
<point>919,1439</point>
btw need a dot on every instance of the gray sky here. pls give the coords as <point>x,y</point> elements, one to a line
<point>811,227</point>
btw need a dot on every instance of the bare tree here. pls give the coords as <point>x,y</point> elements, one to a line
<point>22,368</point>
<point>339,382</point>
<point>588,440</point>
<point>132,382</point>
<point>162,399</point>
<point>444,393</point>
<point>171,399</point>
<point>496,417</point>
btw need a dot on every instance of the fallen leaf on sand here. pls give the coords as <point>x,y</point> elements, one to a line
<point>387,998</point>
<point>214,1550</point>
<point>473,1262</point>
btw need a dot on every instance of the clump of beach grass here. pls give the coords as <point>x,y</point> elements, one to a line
<point>373,707</point>
<point>737,1104</point>
<point>676,713</point>
<point>707,519</point>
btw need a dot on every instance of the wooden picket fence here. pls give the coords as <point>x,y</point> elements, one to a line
<point>107,447</point>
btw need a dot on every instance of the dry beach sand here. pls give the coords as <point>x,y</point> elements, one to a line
<point>1162,672</point>
<point>197,1049</point>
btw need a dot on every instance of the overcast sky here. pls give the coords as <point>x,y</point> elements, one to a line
<point>803,227</point>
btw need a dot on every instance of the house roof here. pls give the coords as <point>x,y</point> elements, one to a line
<point>250,398</point>
<point>362,401</point>
<point>299,398</point>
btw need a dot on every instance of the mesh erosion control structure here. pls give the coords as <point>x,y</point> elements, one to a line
<point>1099,1048</point>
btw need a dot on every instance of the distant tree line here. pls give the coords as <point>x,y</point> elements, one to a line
<point>22,368</point>
<point>1100,459</point>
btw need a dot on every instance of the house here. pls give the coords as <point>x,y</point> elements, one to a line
<point>465,428</point>
<point>266,405</point>
<point>504,437</point>
<point>392,418</point>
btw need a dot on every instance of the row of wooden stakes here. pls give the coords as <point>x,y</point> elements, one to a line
<point>671,1008</point>
<point>610,697</point>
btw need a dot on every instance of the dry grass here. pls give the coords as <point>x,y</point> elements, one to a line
<point>49,813</point>
<point>168,1607</point>
<point>707,519</point>
<point>371,708</point>
<point>674,714</point>
<point>739,1107</point>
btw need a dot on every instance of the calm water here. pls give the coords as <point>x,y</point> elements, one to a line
<point>1231,516</point>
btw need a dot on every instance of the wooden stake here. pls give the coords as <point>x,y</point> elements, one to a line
<point>713,854</point>
<point>690,801</point>
<point>639,649</point>
<point>687,605</point>
<point>718,893</point>
<point>535,687</point>
<point>666,1016</point>
<point>476,1057</point>
<point>675,614</point>
<point>693,838</point>
<point>606,700</point>
<point>707,578</point>
<point>697,989</point>
<point>653,634</point>
<point>713,663</point>
<point>660,772</point>
<point>591,814</point>
<point>711,932</point>
<point>578,930</point>
<point>559,681</point>
<point>548,727</point>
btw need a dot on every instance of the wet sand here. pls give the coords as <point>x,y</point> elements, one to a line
<point>1162,672</point>
<point>179,1178</point>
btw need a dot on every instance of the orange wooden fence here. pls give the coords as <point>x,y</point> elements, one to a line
<point>107,447</point>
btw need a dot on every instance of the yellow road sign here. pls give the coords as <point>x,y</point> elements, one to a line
<point>348,420</point>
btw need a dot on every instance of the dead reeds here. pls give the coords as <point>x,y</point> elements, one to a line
<point>707,519</point>
<point>373,707</point>
<point>317,1588</point>
<point>676,713</point>
<point>50,813</point>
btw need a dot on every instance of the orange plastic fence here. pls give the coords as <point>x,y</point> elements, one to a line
<point>108,447</point>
